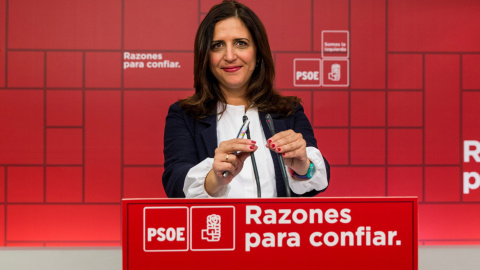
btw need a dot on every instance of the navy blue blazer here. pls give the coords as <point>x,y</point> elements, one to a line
<point>188,141</point>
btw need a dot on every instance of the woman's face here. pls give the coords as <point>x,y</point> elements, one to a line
<point>232,55</point>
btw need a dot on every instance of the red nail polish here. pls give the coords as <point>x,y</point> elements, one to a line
<point>278,149</point>
<point>269,141</point>
<point>273,145</point>
<point>251,147</point>
<point>254,141</point>
<point>283,154</point>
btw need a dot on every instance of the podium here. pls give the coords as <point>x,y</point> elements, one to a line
<point>280,233</point>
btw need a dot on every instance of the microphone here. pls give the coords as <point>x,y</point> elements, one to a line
<point>240,135</point>
<point>268,117</point>
<point>254,163</point>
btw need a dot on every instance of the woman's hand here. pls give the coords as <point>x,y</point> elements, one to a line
<point>225,160</point>
<point>293,148</point>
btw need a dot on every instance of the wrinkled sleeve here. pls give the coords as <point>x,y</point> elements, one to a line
<point>194,186</point>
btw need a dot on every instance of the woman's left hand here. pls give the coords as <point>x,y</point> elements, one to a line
<point>293,148</point>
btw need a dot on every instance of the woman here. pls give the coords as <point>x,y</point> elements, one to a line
<point>233,76</point>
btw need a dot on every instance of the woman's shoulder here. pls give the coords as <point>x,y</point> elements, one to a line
<point>176,110</point>
<point>178,107</point>
<point>175,105</point>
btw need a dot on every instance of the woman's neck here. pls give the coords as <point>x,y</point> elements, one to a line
<point>236,101</point>
<point>235,97</point>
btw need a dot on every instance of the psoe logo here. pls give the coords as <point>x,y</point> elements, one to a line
<point>165,234</point>
<point>213,232</point>
<point>307,72</point>
<point>212,228</point>
<point>335,72</point>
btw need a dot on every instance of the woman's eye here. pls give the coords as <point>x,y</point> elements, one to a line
<point>216,46</point>
<point>241,43</point>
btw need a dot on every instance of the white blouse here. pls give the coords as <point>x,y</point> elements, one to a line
<point>243,185</point>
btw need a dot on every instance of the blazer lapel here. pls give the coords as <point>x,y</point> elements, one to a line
<point>209,134</point>
<point>278,124</point>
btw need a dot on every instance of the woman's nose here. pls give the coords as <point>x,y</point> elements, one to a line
<point>230,54</point>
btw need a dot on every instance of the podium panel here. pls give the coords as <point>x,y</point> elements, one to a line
<point>280,233</point>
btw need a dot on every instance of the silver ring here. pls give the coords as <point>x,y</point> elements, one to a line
<point>226,158</point>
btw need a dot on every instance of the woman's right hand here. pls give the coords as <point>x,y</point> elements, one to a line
<point>225,160</point>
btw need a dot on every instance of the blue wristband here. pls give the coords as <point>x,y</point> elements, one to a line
<point>310,172</point>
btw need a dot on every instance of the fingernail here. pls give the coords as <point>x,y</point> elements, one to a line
<point>251,147</point>
<point>269,141</point>
<point>283,154</point>
<point>254,141</point>
<point>278,149</point>
<point>273,145</point>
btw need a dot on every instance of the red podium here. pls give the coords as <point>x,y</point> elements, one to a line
<point>281,233</point>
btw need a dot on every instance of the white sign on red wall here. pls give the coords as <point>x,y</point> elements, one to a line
<point>333,70</point>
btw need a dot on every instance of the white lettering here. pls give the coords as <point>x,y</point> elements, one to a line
<point>335,44</point>
<point>312,239</point>
<point>331,216</point>
<point>367,236</point>
<point>142,56</point>
<point>344,236</point>
<point>151,232</point>
<point>308,75</point>
<point>269,240</point>
<point>161,234</point>
<point>293,240</point>
<point>379,239</point>
<point>474,153</point>
<point>169,234</point>
<point>345,214</point>
<point>249,215</point>
<point>248,242</point>
<point>332,243</point>
<point>280,238</point>
<point>359,233</point>
<point>257,215</point>
<point>304,216</point>
<point>285,214</point>
<point>180,234</point>
<point>270,217</point>
<point>467,186</point>
<point>133,65</point>
<point>391,235</point>
<point>331,239</point>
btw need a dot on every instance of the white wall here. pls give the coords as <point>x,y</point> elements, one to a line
<point>430,258</point>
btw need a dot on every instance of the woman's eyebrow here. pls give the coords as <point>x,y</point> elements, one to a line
<point>220,40</point>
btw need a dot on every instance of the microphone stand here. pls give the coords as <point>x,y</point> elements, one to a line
<point>254,164</point>
<point>268,117</point>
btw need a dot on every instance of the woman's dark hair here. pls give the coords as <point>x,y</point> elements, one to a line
<point>260,90</point>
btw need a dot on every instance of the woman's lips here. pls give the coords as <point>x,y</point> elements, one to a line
<point>231,69</point>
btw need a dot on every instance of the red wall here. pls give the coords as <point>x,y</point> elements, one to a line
<point>79,130</point>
